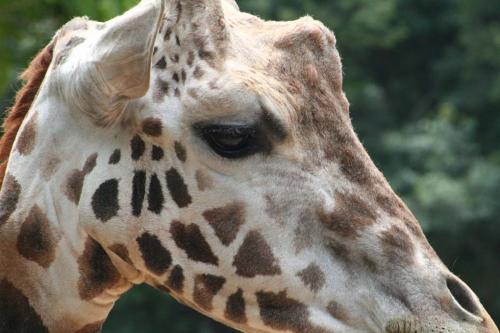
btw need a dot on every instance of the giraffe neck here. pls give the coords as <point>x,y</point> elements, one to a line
<point>46,292</point>
<point>52,279</point>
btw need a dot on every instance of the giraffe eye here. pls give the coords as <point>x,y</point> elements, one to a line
<point>231,141</point>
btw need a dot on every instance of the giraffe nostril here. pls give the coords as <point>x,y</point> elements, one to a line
<point>463,296</point>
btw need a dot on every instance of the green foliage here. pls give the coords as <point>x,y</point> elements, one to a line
<point>423,80</point>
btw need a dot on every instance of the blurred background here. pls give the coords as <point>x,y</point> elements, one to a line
<point>423,79</point>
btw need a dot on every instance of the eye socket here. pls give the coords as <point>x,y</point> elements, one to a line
<point>231,141</point>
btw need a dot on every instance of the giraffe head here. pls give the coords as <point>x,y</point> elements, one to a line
<point>210,154</point>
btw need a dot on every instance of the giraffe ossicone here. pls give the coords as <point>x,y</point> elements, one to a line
<point>208,153</point>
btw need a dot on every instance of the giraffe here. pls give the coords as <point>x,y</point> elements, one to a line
<point>209,154</point>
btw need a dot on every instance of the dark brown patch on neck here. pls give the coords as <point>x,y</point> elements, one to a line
<point>9,198</point>
<point>206,286</point>
<point>190,239</point>
<point>156,257</point>
<point>226,221</point>
<point>105,200</point>
<point>97,272</point>
<point>75,180</point>
<point>27,138</point>
<point>236,308</point>
<point>255,257</point>
<point>36,241</point>
<point>16,312</point>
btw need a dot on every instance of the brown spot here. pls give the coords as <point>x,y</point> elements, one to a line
<point>162,89</point>
<point>180,151</point>
<point>303,238</point>
<point>190,239</point>
<point>157,153</point>
<point>175,58</point>
<point>16,312</point>
<point>354,167</point>
<point>168,33</point>
<point>193,93</point>
<point>161,64</point>
<point>74,184</point>
<point>280,312</point>
<point>236,308</point>
<point>91,328</point>
<point>50,166</point>
<point>391,204</point>
<point>156,257</point>
<point>138,147</point>
<point>76,178</point>
<point>115,157</point>
<point>97,272</point>
<point>313,277</point>
<point>138,192</point>
<point>26,140</point>
<point>90,164</point>
<point>190,58</point>
<point>175,77</point>
<point>121,251</point>
<point>178,189</point>
<point>337,311</point>
<point>183,76</point>
<point>9,196</point>
<point>398,246</point>
<point>204,181</point>
<point>350,216</point>
<point>206,286</point>
<point>226,221</point>
<point>255,257</point>
<point>105,200</point>
<point>177,92</point>
<point>152,126</point>
<point>36,241</point>
<point>369,263</point>
<point>198,72</point>
<point>176,279</point>
<point>274,209</point>
<point>339,250</point>
<point>155,195</point>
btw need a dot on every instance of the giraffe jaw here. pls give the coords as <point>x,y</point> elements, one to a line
<point>428,325</point>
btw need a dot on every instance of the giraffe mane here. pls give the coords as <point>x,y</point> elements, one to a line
<point>33,77</point>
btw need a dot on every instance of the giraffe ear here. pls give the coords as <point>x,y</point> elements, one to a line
<point>122,53</point>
